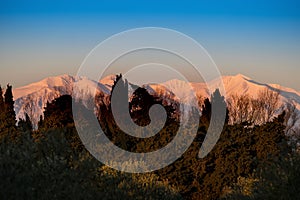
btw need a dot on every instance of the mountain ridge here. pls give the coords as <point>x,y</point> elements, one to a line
<point>32,98</point>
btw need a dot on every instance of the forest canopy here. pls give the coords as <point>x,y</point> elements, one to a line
<point>251,160</point>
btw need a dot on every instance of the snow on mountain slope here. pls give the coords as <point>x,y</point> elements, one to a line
<point>32,99</point>
<point>47,83</point>
<point>234,85</point>
<point>238,85</point>
<point>181,89</point>
<point>108,81</point>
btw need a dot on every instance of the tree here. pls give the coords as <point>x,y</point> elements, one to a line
<point>240,108</point>
<point>280,179</point>
<point>1,100</point>
<point>2,113</point>
<point>140,104</point>
<point>270,99</point>
<point>58,116</point>
<point>25,125</point>
<point>253,111</point>
<point>291,119</point>
<point>58,113</point>
<point>9,106</point>
<point>206,114</point>
<point>124,111</point>
<point>219,105</point>
<point>270,138</point>
<point>8,116</point>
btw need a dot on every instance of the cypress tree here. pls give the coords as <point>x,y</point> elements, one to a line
<point>205,116</point>
<point>1,100</point>
<point>25,125</point>
<point>58,113</point>
<point>7,116</point>
<point>2,112</point>
<point>9,107</point>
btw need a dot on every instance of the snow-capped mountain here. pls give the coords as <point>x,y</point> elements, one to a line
<point>233,85</point>
<point>31,99</point>
<point>236,85</point>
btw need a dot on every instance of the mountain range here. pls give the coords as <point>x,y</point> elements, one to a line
<point>32,98</point>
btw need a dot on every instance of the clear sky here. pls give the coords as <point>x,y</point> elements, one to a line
<point>259,39</point>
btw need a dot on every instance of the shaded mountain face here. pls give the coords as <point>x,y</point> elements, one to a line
<point>31,99</point>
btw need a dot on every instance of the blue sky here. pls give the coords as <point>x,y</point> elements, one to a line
<point>257,38</point>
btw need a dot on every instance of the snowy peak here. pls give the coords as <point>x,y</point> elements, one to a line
<point>233,85</point>
<point>31,99</point>
<point>47,83</point>
<point>108,81</point>
<point>238,77</point>
<point>238,85</point>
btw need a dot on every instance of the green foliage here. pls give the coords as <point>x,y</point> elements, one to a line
<point>53,164</point>
<point>239,153</point>
<point>248,162</point>
<point>149,185</point>
<point>271,139</point>
<point>280,179</point>
<point>276,180</point>
<point>42,171</point>
<point>51,169</point>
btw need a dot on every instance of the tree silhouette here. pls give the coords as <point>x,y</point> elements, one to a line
<point>9,107</point>
<point>25,125</point>
<point>1,100</point>
<point>2,113</point>
<point>58,114</point>
<point>7,116</point>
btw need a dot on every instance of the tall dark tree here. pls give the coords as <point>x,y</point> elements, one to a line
<point>58,113</point>
<point>216,105</point>
<point>58,116</point>
<point>118,78</point>
<point>136,110</point>
<point>220,106</point>
<point>1,100</point>
<point>8,116</point>
<point>25,124</point>
<point>2,112</point>
<point>140,105</point>
<point>206,114</point>
<point>269,135</point>
<point>9,107</point>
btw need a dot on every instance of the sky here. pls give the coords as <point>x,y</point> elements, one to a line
<point>259,39</point>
